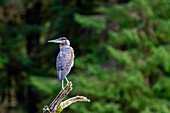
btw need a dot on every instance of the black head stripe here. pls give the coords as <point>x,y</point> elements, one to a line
<point>63,38</point>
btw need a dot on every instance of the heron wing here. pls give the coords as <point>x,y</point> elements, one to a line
<point>64,62</point>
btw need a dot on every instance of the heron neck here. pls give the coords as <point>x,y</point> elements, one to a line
<point>61,45</point>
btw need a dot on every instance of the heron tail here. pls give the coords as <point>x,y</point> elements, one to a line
<point>61,75</point>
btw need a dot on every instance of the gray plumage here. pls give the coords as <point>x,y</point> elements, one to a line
<point>65,60</point>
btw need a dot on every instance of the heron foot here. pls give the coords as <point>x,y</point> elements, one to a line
<point>62,88</point>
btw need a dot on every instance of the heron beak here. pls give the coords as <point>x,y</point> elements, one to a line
<point>55,41</point>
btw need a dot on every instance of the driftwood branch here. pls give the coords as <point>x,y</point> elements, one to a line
<point>58,105</point>
<point>72,100</point>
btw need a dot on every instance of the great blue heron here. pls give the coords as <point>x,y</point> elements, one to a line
<point>65,58</point>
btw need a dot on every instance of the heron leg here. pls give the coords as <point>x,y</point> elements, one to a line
<point>66,79</point>
<point>62,84</point>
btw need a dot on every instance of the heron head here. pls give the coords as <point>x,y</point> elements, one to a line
<point>61,40</point>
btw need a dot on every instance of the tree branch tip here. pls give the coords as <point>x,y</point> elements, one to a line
<point>72,100</point>
<point>83,98</point>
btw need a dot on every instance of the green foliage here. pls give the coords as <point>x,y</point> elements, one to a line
<point>38,83</point>
<point>90,21</point>
<point>59,109</point>
<point>161,88</point>
<point>163,55</point>
<point>128,37</point>
<point>138,52</point>
<point>3,61</point>
<point>121,57</point>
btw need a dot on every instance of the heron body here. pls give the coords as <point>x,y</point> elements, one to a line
<point>64,61</point>
<point>65,58</point>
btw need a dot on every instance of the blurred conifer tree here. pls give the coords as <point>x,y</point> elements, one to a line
<point>122,52</point>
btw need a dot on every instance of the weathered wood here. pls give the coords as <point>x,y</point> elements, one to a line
<point>56,102</point>
<point>63,93</point>
<point>60,97</point>
<point>72,100</point>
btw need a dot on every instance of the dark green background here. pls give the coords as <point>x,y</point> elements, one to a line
<point>122,50</point>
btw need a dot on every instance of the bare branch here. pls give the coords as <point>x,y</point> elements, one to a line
<point>58,105</point>
<point>56,102</point>
<point>72,100</point>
